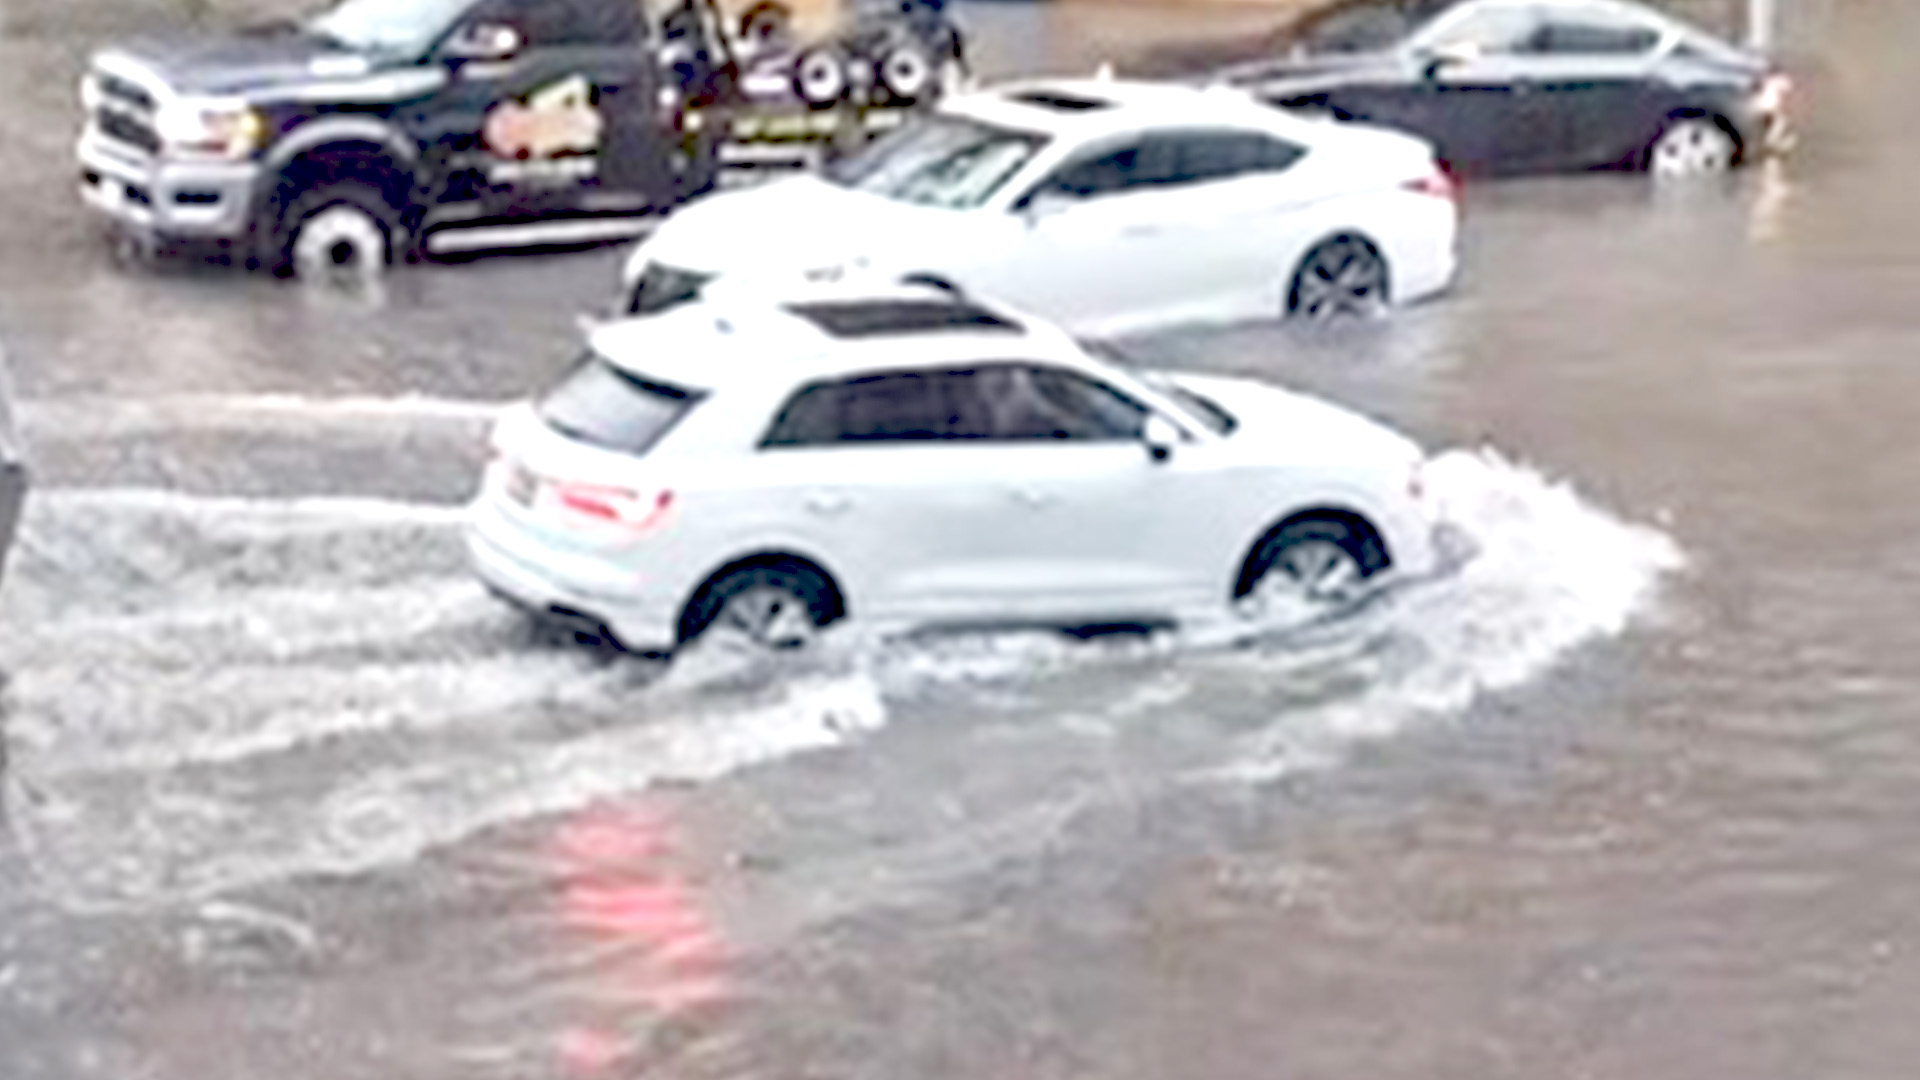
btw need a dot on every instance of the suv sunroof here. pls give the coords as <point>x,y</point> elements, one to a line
<point>1059,102</point>
<point>880,318</point>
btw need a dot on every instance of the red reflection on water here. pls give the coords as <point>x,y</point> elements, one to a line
<point>621,891</point>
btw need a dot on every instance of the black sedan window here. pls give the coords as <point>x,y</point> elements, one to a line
<point>1487,30</point>
<point>1591,34</point>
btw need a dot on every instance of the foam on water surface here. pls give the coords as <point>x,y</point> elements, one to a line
<point>213,693</point>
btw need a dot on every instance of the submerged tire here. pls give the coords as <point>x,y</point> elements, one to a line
<point>780,605</point>
<point>341,228</point>
<point>1690,147</point>
<point>1314,563</point>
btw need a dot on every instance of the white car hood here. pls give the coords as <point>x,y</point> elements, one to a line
<point>1270,416</point>
<point>797,224</point>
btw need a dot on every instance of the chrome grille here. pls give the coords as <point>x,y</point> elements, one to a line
<point>126,128</point>
<point>125,92</point>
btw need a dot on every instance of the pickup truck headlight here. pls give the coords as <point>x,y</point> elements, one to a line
<point>210,128</point>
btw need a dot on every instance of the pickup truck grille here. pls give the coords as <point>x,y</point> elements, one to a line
<point>126,128</point>
<point>125,92</point>
<point>122,111</point>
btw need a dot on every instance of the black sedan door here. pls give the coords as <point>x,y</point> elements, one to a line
<point>1593,67</point>
<point>1463,84</point>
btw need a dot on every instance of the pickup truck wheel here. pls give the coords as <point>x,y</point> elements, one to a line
<point>341,228</point>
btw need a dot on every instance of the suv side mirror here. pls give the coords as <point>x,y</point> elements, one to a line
<point>483,41</point>
<point>1160,435</point>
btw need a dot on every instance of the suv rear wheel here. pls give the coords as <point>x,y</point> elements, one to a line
<point>780,605</point>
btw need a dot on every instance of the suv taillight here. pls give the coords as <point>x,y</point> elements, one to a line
<point>611,505</point>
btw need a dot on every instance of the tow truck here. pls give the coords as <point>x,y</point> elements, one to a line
<point>388,130</point>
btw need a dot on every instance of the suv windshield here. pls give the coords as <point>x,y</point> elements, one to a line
<point>601,404</point>
<point>1203,409</point>
<point>942,160</point>
<point>404,27</point>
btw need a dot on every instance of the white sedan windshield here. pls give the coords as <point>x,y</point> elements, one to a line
<point>405,27</point>
<point>944,161</point>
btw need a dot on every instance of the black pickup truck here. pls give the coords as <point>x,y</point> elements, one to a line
<point>388,129</point>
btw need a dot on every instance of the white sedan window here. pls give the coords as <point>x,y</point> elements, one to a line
<point>942,161</point>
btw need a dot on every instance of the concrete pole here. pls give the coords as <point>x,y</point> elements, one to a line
<point>1760,23</point>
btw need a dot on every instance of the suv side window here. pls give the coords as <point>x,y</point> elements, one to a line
<point>1493,30</point>
<point>1042,402</point>
<point>892,407</point>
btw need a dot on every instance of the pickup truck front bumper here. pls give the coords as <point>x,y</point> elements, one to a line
<point>157,199</point>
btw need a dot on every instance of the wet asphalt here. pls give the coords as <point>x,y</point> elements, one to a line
<point>1630,796</point>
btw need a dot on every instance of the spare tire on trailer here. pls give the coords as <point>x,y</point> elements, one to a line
<point>766,21</point>
<point>820,76</point>
<point>906,70</point>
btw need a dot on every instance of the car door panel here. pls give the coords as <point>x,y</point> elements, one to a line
<point>564,116</point>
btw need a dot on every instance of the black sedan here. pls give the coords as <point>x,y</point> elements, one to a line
<point>1507,86</point>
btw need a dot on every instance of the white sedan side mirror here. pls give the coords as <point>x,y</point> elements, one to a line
<point>1046,204</point>
<point>1160,435</point>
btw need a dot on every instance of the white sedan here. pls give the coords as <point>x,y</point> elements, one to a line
<point>1109,207</point>
<point>910,457</point>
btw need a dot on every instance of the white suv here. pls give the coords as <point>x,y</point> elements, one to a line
<point>911,457</point>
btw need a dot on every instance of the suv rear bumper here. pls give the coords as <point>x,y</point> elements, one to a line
<point>189,200</point>
<point>552,586</point>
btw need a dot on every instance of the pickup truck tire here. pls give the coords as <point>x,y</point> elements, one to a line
<point>341,226</point>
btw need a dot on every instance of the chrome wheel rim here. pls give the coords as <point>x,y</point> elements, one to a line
<point>770,617</point>
<point>1694,148</point>
<point>1341,279</point>
<point>339,239</point>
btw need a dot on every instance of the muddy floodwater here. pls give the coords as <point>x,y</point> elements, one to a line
<point>1630,794</point>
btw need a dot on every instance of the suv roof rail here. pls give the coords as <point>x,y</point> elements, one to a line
<point>933,281</point>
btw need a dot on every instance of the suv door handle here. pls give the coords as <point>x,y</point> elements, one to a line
<point>1034,497</point>
<point>828,503</point>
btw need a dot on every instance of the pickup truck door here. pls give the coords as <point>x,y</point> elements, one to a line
<point>552,104</point>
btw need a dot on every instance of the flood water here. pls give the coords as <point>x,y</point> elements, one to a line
<point>1629,794</point>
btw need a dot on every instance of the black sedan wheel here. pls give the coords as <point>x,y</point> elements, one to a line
<point>1691,147</point>
<point>1344,276</point>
